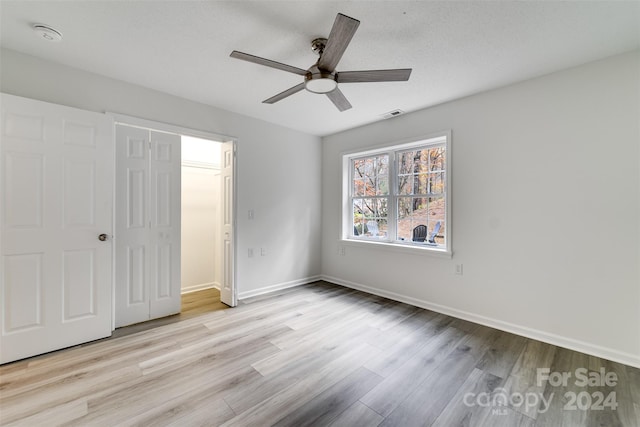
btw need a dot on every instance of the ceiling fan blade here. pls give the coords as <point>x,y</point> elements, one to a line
<point>341,34</point>
<point>267,62</point>
<point>282,95</point>
<point>339,100</point>
<point>397,75</point>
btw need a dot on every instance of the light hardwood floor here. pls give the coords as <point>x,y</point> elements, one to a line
<point>315,355</point>
<point>192,304</point>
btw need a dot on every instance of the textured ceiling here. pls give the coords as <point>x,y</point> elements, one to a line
<point>455,48</point>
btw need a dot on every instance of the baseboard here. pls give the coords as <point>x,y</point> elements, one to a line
<point>277,287</point>
<point>561,341</point>
<point>200,287</point>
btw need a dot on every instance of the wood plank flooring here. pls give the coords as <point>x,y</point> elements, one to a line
<point>192,304</point>
<point>315,355</point>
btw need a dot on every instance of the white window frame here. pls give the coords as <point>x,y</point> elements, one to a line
<point>390,243</point>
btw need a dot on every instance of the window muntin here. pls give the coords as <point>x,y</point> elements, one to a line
<point>391,191</point>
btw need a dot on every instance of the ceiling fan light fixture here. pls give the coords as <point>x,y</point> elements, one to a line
<point>320,83</point>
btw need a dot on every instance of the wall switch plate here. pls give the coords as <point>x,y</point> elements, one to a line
<point>459,269</point>
<point>250,252</point>
<point>341,251</point>
<point>251,214</point>
<point>263,252</point>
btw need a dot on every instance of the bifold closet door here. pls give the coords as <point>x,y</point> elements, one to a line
<point>147,224</point>
<point>228,293</point>
<point>56,183</point>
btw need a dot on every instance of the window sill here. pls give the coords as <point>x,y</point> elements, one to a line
<point>406,248</point>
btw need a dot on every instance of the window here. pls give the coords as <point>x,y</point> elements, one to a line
<point>399,195</point>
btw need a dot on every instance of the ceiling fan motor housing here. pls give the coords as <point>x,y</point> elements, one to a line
<point>318,44</point>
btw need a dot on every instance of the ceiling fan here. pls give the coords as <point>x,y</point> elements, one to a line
<point>322,76</point>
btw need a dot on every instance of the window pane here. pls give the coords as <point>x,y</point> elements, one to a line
<point>435,184</point>
<point>420,183</point>
<point>436,215</point>
<point>437,159</point>
<point>439,237</point>
<point>383,208</point>
<point>358,187</point>
<point>382,187</point>
<point>369,167</point>
<point>370,186</point>
<point>436,209</point>
<point>368,208</point>
<point>382,165</point>
<point>412,211</point>
<point>405,163</point>
<point>358,169</point>
<point>404,207</point>
<point>422,161</point>
<point>405,184</point>
<point>357,216</point>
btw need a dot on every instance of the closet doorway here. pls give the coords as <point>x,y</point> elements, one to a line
<point>201,218</point>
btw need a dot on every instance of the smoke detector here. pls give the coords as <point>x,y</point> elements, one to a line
<point>47,33</point>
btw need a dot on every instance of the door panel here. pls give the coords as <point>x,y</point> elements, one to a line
<point>23,304</point>
<point>79,284</point>
<point>79,197</point>
<point>57,192</point>
<point>136,288</point>
<point>23,186</point>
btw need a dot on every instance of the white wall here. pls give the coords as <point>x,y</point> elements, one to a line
<point>546,210</point>
<point>287,208</point>
<point>201,242</point>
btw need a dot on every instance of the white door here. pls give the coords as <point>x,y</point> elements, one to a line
<point>165,238</point>
<point>227,288</point>
<point>147,224</point>
<point>56,179</point>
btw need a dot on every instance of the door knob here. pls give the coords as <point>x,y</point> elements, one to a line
<point>102,237</point>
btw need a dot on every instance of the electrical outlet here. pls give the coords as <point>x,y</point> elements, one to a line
<point>250,252</point>
<point>263,252</point>
<point>341,251</point>
<point>459,269</point>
